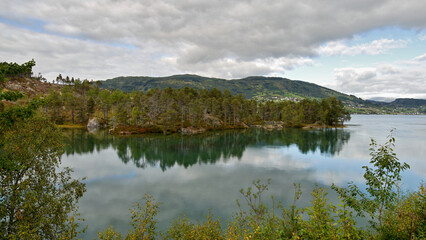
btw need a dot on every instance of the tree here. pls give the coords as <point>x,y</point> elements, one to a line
<point>54,102</point>
<point>90,105</point>
<point>36,200</point>
<point>381,180</point>
<point>135,116</point>
<point>333,112</point>
<point>105,102</point>
<point>70,101</point>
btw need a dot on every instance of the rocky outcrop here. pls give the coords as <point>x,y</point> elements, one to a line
<point>29,86</point>
<point>212,121</point>
<point>94,124</point>
<point>192,130</point>
<point>314,126</point>
<point>273,125</point>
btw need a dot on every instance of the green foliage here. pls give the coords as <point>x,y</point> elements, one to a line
<point>9,116</point>
<point>2,77</point>
<point>320,223</point>
<point>10,70</point>
<point>109,234</point>
<point>259,222</point>
<point>171,110</point>
<point>382,199</point>
<point>36,201</point>
<point>407,220</point>
<point>385,174</point>
<point>328,220</point>
<point>143,220</point>
<point>183,228</point>
<point>264,89</point>
<point>11,95</point>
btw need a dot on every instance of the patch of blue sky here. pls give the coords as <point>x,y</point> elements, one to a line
<point>324,65</point>
<point>122,45</point>
<point>32,24</point>
<point>314,74</point>
<point>321,71</point>
<point>386,32</point>
<point>38,26</point>
<point>415,41</point>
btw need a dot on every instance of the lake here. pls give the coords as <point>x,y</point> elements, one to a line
<point>193,175</point>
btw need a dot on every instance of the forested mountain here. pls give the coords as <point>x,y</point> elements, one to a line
<point>268,88</point>
<point>407,102</point>
<point>398,106</point>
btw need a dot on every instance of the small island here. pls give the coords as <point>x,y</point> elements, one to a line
<point>72,103</point>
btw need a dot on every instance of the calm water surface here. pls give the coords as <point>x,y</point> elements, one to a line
<point>193,175</point>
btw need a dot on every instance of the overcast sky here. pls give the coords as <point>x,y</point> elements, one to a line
<point>366,48</point>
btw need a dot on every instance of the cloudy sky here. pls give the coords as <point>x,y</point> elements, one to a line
<point>366,48</point>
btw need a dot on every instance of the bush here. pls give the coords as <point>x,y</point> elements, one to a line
<point>408,218</point>
<point>11,95</point>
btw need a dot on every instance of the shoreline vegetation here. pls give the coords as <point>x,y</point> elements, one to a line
<point>38,200</point>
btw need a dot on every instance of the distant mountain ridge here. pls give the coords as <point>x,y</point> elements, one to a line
<point>400,102</point>
<point>249,87</point>
<point>265,88</point>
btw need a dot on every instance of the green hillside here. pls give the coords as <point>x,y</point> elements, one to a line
<point>250,87</point>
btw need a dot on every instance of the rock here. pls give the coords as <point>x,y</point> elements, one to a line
<point>213,121</point>
<point>273,125</point>
<point>93,125</point>
<point>14,87</point>
<point>192,130</point>
<point>313,126</point>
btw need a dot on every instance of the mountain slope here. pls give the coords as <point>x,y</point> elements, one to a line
<point>407,102</point>
<point>250,87</point>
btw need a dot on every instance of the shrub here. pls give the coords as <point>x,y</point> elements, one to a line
<point>11,95</point>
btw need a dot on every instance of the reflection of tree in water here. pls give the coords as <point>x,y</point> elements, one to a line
<point>208,148</point>
<point>327,141</point>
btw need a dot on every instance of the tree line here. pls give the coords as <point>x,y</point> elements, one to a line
<point>169,110</point>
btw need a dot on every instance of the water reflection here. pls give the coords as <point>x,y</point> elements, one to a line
<point>227,161</point>
<point>208,148</point>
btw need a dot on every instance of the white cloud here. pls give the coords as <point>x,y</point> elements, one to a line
<point>80,58</point>
<point>236,68</point>
<point>107,38</point>
<point>217,30</point>
<point>386,80</point>
<point>372,48</point>
<point>420,58</point>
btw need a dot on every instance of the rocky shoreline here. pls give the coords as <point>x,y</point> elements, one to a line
<point>95,124</point>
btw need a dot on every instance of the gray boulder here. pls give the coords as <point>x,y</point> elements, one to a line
<point>94,124</point>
